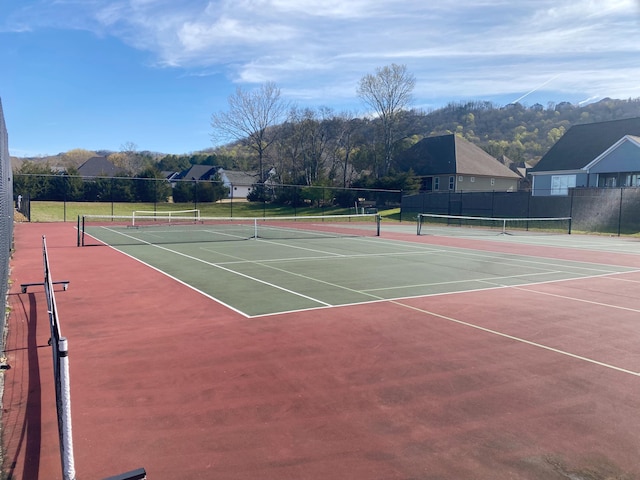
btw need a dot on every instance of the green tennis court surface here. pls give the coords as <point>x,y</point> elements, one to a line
<point>268,276</point>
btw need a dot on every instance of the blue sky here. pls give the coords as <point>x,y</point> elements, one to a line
<point>97,74</point>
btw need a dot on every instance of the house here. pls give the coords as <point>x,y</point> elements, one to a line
<point>451,163</point>
<point>198,172</point>
<point>98,167</point>
<point>602,154</point>
<point>520,168</point>
<point>171,176</point>
<point>240,183</point>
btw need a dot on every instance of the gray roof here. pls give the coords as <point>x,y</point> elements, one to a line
<point>199,172</point>
<point>584,143</point>
<point>97,167</point>
<point>452,155</point>
<point>240,178</point>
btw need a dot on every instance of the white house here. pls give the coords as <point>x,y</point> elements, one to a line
<point>240,184</point>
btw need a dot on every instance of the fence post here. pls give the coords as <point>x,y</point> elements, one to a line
<point>573,191</point>
<point>620,212</point>
<point>64,198</point>
<point>493,203</point>
<point>195,194</point>
<point>66,443</point>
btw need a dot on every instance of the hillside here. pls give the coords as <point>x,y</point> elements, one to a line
<point>521,133</point>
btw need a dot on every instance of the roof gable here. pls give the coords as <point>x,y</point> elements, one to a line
<point>582,144</point>
<point>430,155</point>
<point>97,167</point>
<point>236,177</point>
<point>450,155</point>
<point>199,172</point>
<point>618,156</point>
<point>472,160</point>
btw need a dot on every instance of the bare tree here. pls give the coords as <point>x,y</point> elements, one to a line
<point>76,157</point>
<point>290,147</point>
<point>344,128</point>
<point>314,127</point>
<point>250,118</point>
<point>388,92</point>
<point>128,159</point>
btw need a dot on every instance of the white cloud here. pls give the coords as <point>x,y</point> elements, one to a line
<point>466,47</point>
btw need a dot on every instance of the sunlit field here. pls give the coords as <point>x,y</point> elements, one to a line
<point>49,211</point>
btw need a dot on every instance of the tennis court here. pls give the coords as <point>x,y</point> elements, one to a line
<point>340,354</point>
<point>293,267</point>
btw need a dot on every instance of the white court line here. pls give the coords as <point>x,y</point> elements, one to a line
<point>575,299</point>
<point>340,287</point>
<point>242,260</point>
<point>509,259</point>
<point>519,257</point>
<point>575,243</point>
<point>196,259</point>
<point>626,279</point>
<point>178,280</point>
<point>368,292</point>
<point>469,280</point>
<point>439,294</point>
<point>518,339</point>
<point>362,292</point>
<point>327,257</point>
<point>554,263</point>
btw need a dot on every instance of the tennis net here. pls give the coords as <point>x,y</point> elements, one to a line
<point>121,230</point>
<point>428,223</point>
<point>169,215</point>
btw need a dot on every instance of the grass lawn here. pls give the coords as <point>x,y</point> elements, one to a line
<point>48,211</point>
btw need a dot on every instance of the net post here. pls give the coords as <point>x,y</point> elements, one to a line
<point>569,232</point>
<point>419,224</point>
<point>59,350</point>
<point>255,228</point>
<point>83,229</point>
<point>78,232</point>
<point>66,438</point>
<point>378,222</point>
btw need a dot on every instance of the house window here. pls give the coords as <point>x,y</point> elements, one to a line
<point>560,184</point>
<point>460,178</point>
<point>452,182</point>
<point>436,183</point>
<point>631,180</point>
<point>608,180</point>
<point>472,179</point>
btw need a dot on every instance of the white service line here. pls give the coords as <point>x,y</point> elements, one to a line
<point>574,299</point>
<point>196,259</point>
<point>518,339</point>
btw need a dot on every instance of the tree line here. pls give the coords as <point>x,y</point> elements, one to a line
<point>293,145</point>
<point>39,182</point>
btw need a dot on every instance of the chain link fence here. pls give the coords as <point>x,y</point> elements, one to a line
<point>157,194</point>
<point>6,217</point>
<point>611,211</point>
